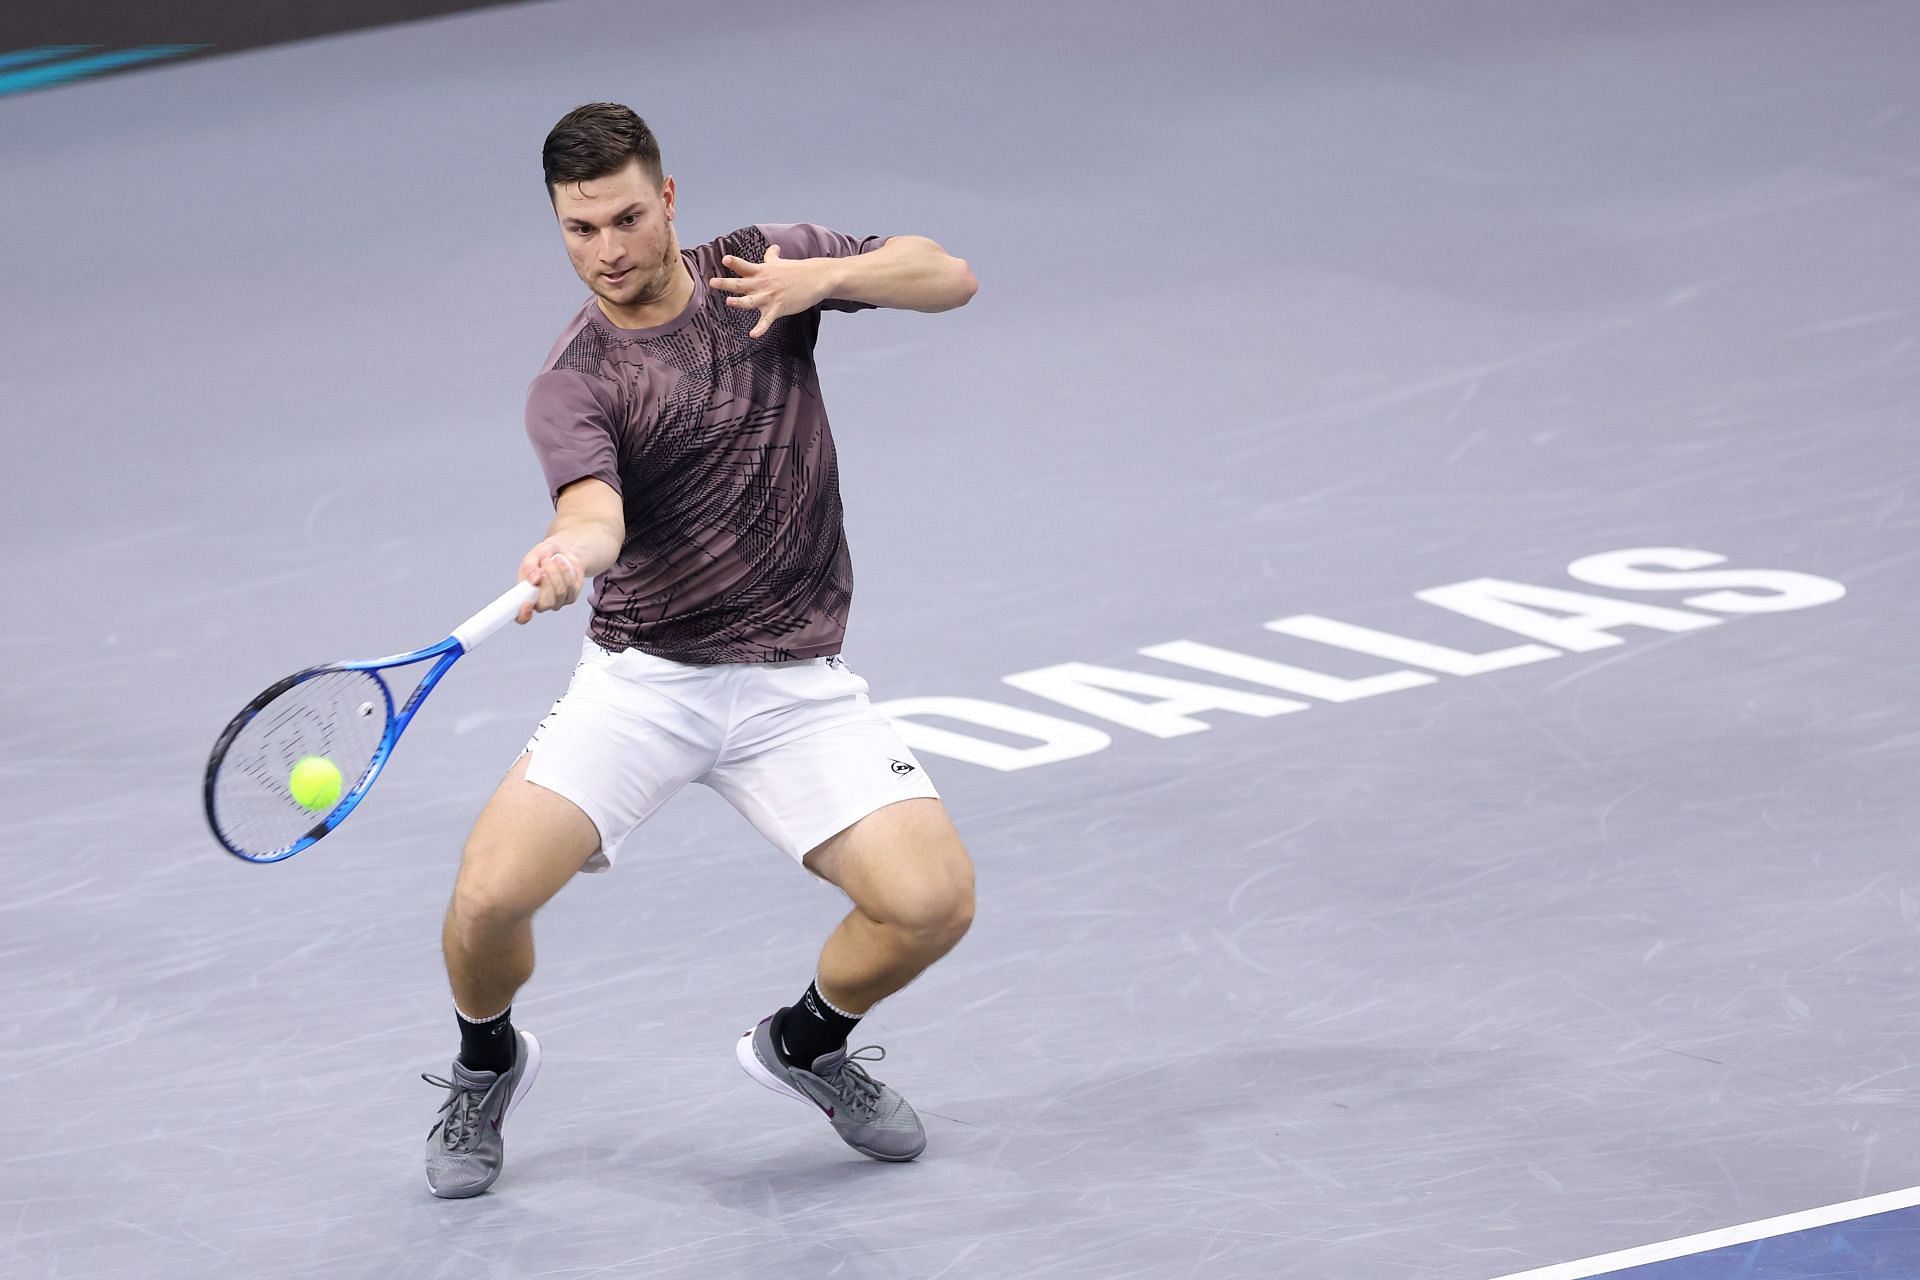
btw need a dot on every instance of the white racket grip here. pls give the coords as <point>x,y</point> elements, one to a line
<point>494,616</point>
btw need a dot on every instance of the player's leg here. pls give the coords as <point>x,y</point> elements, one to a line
<point>528,842</point>
<point>616,747</point>
<point>911,884</point>
<point>828,780</point>
<point>526,845</point>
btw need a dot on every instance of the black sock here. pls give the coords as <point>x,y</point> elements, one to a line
<point>812,1027</point>
<point>490,1044</point>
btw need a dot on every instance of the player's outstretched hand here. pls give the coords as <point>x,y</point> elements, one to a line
<point>555,573</point>
<point>774,288</point>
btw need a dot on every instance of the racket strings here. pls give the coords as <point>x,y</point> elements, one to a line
<point>338,715</point>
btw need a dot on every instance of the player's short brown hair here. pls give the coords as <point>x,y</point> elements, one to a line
<point>597,140</point>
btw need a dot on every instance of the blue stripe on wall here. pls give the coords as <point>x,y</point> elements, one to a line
<point>52,73</point>
<point>21,57</point>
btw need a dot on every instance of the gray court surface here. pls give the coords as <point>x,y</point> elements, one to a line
<point>1285,310</point>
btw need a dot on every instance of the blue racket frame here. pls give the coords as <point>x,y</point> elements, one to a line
<point>443,654</point>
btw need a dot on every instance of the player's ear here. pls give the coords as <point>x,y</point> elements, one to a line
<point>666,196</point>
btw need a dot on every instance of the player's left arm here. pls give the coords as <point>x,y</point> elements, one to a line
<point>909,273</point>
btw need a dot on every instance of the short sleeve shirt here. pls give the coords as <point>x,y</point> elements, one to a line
<point>719,447</point>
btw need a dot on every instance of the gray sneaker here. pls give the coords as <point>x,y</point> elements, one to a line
<point>869,1116</point>
<point>464,1148</point>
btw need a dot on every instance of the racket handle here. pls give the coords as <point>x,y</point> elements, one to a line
<point>494,616</point>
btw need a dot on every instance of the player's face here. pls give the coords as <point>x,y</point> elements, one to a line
<point>619,234</point>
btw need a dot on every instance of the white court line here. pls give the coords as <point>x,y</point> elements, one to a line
<point>1686,1246</point>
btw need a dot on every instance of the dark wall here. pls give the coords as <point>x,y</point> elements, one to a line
<point>223,26</point>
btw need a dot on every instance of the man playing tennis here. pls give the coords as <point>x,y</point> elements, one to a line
<point>679,424</point>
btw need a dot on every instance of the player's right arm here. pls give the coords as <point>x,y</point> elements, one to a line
<point>570,419</point>
<point>589,526</point>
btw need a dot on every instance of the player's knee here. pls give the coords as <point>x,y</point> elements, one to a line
<point>483,909</point>
<point>485,901</point>
<point>939,909</point>
<point>958,917</point>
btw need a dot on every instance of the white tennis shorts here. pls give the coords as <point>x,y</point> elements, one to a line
<point>796,747</point>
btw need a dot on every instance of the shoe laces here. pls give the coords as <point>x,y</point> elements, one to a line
<point>460,1113</point>
<point>860,1089</point>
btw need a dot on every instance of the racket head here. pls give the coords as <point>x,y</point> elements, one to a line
<point>345,714</point>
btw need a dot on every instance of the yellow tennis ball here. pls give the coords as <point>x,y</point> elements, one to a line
<point>315,783</point>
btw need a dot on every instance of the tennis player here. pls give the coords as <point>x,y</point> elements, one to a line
<point>679,423</point>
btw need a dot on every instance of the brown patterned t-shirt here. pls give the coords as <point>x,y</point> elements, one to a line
<point>719,447</point>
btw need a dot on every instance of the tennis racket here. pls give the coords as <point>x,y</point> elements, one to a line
<point>343,712</point>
